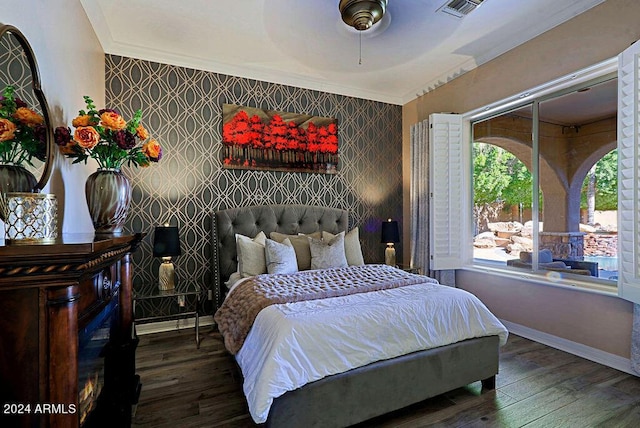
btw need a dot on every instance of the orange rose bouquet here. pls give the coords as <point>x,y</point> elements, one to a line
<point>108,138</point>
<point>23,134</point>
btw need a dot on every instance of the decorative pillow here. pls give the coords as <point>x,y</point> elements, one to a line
<point>352,247</point>
<point>235,277</point>
<point>553,265</point>
<point>328,254</point>
<point>544,256</point>
<point>251,259</point>
<point>280,257</point>
<point>300,245</point>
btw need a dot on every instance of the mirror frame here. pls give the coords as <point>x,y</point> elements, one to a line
<point>37,89</point>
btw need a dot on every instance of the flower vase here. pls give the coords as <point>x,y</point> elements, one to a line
<point>108,193</point>
<point>14,178</point>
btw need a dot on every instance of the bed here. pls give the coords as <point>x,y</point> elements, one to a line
<point>337,396</point>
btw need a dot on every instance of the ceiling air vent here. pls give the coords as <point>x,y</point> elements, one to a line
<point>460,8</point>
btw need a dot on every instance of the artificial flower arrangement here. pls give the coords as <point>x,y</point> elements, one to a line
<point>108,138</point>
<point>23,134</point>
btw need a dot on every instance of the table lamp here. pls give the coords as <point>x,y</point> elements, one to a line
<point>390,235</point>
<point>166,244</point>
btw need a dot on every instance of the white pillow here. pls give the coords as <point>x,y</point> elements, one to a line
<point>280,257</point>
<point>328,254</point>
<point>251,259</point>
<point>352,247</point>
<point>235,277</point>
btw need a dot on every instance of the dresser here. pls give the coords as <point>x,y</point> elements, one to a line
<point>67,344</point>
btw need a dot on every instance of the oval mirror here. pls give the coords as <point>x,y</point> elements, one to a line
<point>18,69</point>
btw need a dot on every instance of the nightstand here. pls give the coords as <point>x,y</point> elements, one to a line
<point>410,269</point>
<point>187,306</point>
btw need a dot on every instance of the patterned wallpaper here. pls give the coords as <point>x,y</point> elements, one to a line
<point>182,108</point>
<point>15,71</point>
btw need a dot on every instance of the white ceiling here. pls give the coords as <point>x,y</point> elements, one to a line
<point>304,43</point>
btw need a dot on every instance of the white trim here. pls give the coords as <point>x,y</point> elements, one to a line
<point>587,352</point>
<point>170,325</point>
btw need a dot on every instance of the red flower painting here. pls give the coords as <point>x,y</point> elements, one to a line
<point>259,139</point>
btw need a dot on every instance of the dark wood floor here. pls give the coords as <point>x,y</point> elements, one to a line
<point>538,386</point>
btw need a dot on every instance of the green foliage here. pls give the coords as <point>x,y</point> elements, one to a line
<point>500,176</point>
<point>606,175</point>
<point>519,190</point>
<point>489,173</point>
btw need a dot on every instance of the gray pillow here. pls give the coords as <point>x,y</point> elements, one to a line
<point>328,254</point>
<point>280,257</point>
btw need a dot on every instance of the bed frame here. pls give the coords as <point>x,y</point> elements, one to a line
<point>359,394</point>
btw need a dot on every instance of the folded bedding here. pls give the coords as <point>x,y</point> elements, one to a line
<point>237,314</point>
<point>289,330</point>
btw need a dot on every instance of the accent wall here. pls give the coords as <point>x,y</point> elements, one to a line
<point>182,109</point>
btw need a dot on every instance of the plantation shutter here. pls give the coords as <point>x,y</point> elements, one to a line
<point>446,178</point>
<point>629,174</point>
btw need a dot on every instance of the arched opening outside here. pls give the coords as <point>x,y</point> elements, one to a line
<point>567,156</point>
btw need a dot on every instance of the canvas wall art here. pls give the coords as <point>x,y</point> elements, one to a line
<point>271,140</point>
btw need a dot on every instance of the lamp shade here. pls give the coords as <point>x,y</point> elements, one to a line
<point>166,241</point>
<point>390,232</point>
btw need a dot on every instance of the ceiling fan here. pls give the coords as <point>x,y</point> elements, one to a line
<point>362,14</point>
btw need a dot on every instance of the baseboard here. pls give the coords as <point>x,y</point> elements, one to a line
<point>159,327</point>
<point>596,355</point>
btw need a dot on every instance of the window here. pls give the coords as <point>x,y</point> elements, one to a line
<point>559,161</point>
<point>574,138</point>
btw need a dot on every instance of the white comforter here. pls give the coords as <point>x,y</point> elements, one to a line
<point>293,344</point>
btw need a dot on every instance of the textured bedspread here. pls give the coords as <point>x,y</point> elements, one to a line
<point>292,344</point>
<point>238,312</point>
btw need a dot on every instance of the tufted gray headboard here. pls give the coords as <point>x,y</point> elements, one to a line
<point>249,221</point>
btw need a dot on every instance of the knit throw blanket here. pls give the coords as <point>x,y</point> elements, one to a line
<point>239,310</point>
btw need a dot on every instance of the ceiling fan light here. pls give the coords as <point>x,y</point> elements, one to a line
<point>362,20</point>
<point>362,14</point>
